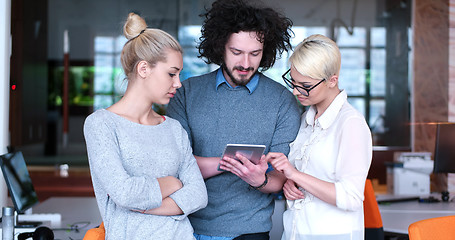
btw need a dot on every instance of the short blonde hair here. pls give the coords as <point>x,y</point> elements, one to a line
<point>144,43</point>
<point>317,57</point>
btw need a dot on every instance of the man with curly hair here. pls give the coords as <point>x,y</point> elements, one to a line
<point>238,104</point>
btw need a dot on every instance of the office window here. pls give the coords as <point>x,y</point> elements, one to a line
<point>109,80</point>
<point>282,64</point>
<point>362,72</point>
<point>192,65</point>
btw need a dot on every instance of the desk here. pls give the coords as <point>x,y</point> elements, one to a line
<point>397,216</point>
<point>73,210</point>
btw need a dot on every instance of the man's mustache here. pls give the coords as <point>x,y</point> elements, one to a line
<point>243,69</point>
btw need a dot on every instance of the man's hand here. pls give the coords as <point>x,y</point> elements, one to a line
<point>253,174</point>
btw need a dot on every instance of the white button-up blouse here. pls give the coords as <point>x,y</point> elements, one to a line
<point>337,148</point>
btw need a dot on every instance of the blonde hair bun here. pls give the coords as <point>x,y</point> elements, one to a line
<point>144,44</point>
<point>134,26</point>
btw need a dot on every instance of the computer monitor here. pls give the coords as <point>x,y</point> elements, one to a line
<point>18,180</point>
<point>444,153</point>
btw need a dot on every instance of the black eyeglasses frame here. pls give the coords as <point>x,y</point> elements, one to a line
<point>302,90</point>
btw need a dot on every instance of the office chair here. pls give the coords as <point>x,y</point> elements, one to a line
<point>97,233</point>
<point>439,228</point>
<point>372,217</point>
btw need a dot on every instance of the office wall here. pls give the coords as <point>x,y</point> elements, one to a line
<point>451,61</point>
<point>430,70</point>
<point>433,76</point>
<point>451,177</point>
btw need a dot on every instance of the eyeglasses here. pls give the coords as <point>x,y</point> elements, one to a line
<point>302,90</point>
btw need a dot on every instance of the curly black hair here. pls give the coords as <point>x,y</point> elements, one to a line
<point>232,16</point>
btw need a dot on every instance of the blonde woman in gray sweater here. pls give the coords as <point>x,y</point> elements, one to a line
<point>145,177</point>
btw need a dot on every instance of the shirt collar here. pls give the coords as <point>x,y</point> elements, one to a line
<point>330,114</point>
<point>251,86</point>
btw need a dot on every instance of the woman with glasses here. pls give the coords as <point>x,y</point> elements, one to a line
<point>330,158</point>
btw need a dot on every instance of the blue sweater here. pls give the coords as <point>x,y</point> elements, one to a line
<point>215,117</point>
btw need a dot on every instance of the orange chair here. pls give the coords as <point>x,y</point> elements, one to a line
<point>372,217</point>
<point>439,228</point>
<point>97,233</point>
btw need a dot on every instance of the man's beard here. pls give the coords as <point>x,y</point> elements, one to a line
<point>238,82</point>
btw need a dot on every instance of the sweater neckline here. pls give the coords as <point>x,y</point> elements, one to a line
<point>114,115</point>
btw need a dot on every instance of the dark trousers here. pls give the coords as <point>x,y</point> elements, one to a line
<point>254,236</point>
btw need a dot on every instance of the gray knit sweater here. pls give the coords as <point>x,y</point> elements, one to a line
<point>214,118</point>
<point>126,158</point>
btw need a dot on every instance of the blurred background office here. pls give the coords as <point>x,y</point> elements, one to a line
<point>397,68</point>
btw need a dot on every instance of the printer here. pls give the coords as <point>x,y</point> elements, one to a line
<point>410,173</point>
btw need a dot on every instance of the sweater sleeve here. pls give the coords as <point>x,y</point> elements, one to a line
<point>108,173</point>
<point>176,109</point>
<point>287,125</point>
<point>193,195</point>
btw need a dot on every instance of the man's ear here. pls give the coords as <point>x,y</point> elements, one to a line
<point>142,69</point>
